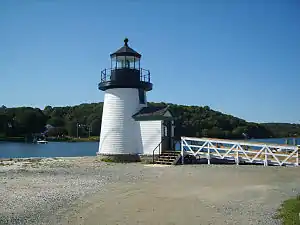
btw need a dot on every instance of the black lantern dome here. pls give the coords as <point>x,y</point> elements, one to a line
<point>125,71</point>
<point>126,51</point>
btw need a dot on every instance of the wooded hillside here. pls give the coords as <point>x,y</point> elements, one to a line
<point>192,121</point>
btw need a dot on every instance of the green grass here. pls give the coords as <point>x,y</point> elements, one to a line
<point>54,139</point>
<point>73,139</point>
<point>12,139</point>
<point>289,212</point>
<point>119,158</point>
<point>107,160</point>
<point>84,139</point>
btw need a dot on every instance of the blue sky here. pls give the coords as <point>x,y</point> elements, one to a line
<point>239,57</point>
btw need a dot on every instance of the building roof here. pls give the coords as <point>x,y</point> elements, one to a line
<point>126,51</point>
<point>153,113</point>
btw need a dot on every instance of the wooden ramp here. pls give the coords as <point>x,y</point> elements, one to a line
<point>239,151</point>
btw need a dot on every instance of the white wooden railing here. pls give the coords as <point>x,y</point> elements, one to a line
<point>240,151</point>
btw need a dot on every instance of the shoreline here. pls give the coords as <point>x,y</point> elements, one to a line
<point>97,139</point>
<point>50,139</point>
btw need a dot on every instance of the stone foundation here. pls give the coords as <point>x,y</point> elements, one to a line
<point>127,158</point>
<point>120,158</point>
<point>148,159</point>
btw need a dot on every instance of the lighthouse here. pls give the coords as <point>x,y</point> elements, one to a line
<point>129,126</point>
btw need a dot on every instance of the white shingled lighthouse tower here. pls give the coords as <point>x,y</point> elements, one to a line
<point>129,127</point>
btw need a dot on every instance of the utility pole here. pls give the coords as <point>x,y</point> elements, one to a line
<point>77,128</point>
<point>90,130</point>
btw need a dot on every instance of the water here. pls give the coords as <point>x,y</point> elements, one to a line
<point>65,149</point>
<point>278,140</point>
<point>52,149</point>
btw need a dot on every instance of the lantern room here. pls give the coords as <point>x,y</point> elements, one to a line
<point>125,71</point>
<point>125,58</point>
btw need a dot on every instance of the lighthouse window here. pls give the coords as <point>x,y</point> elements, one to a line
<point>125,62</point>
<point>130,62</point>
<point>119,64</point>
<point>142,96</point>
<point>136,63</point>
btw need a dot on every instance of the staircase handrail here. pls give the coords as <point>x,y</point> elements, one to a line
<point>158,146</point>
<point>175,140</point>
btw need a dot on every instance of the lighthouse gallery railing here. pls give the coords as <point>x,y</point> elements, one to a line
<point>144,75</point>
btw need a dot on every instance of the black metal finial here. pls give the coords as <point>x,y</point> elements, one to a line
<point>126,41</point>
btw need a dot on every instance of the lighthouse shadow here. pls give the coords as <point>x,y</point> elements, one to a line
<point>138,139</point>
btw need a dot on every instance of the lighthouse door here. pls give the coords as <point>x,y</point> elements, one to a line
<point>167,136</point>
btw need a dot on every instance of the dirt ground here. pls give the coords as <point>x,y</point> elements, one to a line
<point>86,191</point>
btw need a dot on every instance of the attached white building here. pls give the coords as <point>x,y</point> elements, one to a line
<point>129,125</point>
<point>157,127</point>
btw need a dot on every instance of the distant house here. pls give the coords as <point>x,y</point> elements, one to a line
<point>49,126</point>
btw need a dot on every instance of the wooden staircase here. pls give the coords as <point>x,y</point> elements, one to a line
<point>168,158</point>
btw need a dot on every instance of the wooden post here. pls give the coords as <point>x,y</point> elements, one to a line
<point>182,156</point>
<point>237,157</point>
<point>266,157</point>
<point>297,158</point>
<point>208,155</point>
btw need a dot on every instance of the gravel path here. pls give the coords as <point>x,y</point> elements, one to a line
<point>86,191</point>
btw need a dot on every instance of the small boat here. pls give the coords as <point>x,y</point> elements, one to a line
<point>42,142</point>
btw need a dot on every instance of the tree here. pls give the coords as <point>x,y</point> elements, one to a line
<point>56,121</point>
<point>47,110</point>
<point>95,126</point>
<point>57,131</point>
<point>190,121</point>
<point>238,132</point>
<point>71,128</point>
<point>204,132</point>
<point>4,123</point>
<point>29,120</point>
